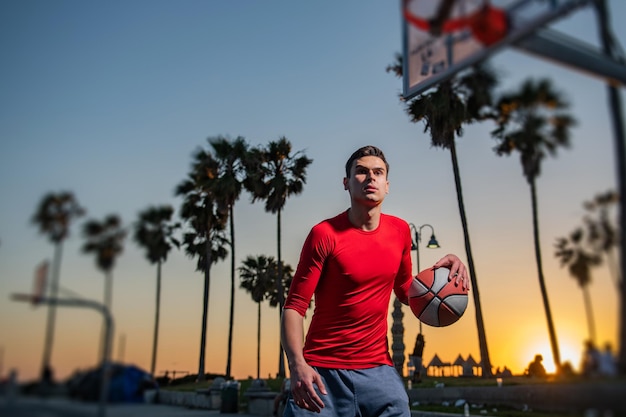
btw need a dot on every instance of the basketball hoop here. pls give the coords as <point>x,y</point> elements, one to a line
<point>434,24</point>
<point>487,23</point>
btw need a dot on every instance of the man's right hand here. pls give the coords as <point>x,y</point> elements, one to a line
<point>303,377</point>
<point>303,380</point>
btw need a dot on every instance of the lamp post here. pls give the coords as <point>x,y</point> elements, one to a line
<point>418,350</point>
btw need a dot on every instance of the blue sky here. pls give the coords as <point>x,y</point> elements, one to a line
<point>110,99</point>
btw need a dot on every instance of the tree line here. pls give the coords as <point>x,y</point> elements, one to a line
<point>205,230</point>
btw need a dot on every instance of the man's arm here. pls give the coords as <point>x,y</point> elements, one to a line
<point>303,376</point>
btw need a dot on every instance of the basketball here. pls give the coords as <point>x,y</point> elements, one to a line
<point>434,300</point>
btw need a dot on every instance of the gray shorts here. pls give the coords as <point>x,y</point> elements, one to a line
<point>373,392</point>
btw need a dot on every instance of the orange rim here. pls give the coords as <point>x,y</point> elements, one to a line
<point>450,25</point>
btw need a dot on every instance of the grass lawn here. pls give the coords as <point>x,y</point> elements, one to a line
<point>427,382</point>
<point>274,384</point>
<point>494,410</point>
<point>189,385</point>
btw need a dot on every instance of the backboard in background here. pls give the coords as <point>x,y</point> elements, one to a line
<point>431,56</point>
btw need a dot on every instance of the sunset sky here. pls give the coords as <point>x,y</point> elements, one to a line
<point>109,100</point>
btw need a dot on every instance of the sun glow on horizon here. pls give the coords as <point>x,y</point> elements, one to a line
<point>569,352</point>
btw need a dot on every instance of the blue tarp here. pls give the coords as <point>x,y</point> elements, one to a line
<point>127,384</point>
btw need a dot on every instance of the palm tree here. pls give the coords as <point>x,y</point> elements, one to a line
<point>206,221</point>
<point>465,99</point>
<point>258,276</point>
<point>579,262</point>
<point>273,296</point>
<point>230,156</point>
<point>275,174</point>
<point>106,240</point>
<point>154,231</point>
<point>54,216</point>
<point>533,122</point>
<point>603,234</point>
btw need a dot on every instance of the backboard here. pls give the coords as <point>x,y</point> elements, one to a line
<point>432,53</point>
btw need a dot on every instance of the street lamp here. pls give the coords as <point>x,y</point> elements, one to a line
<point>432,243</point>
<point>419,342</point>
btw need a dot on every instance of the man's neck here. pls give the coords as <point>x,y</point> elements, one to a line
<point>364,218</point>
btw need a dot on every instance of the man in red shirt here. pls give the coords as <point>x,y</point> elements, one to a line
<point>351,263</point>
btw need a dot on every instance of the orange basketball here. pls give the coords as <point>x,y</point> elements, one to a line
<point>434,300</point>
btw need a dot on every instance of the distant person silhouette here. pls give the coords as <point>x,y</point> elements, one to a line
<point>536,369</point>
<point>606,362</point>
<point>12,390</point>
<point>566,369</point>
<point>590,360</point>
<point>47,381</point>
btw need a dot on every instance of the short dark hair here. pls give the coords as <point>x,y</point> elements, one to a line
<point>368,150</point>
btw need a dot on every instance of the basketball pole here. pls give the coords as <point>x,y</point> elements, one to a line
<point>609,46</point>
<point>108,327</point>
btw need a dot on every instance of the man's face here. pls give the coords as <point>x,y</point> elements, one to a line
<point>368,180</point>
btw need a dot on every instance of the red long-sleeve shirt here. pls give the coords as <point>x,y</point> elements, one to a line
<point>351,272</point>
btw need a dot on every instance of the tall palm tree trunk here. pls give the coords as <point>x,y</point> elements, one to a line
<point>205,310</point>
<point>157,314</point>
<point>108,290</point>
<point>610,48</point>
<point>281,300</point>
<point>482,337</point>
<point>52,309</point>
<point>258,341</point>
<point>542,284</point>
<point>232,292</point>
<point>108,296</point>
<point>613,264</point>
<point>590,321</point>
<point>620,152</point>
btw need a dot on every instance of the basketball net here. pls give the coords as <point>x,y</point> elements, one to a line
<point>487,23</point>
